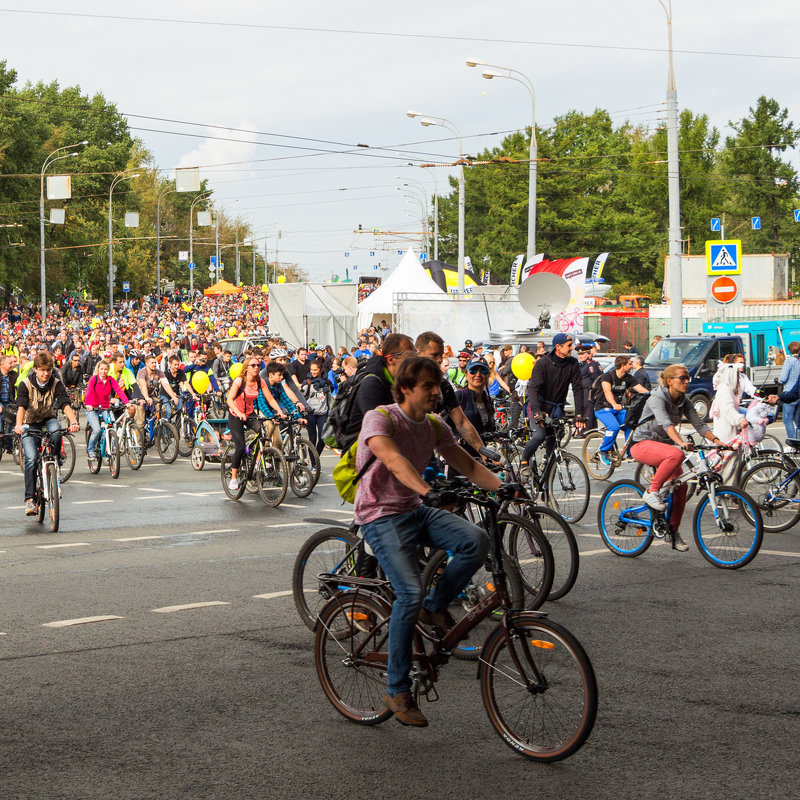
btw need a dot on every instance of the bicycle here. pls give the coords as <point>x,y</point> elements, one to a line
<point>68,455</point>
<point>592,458</point>
<point>302,457</point>
<point>159,431</point>
<point>108,446</point>
<point>775,485</point>
<point>264,468</point>
<point>186,425</point>
<point>47,495</point>
<point>537,683</point>
<point>727,524</point>
<point>131,440</point>
<point>208,437</point>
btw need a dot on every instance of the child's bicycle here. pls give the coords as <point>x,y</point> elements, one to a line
<point>727,524</point>
<point>210,437</point>
<point>537,683</point>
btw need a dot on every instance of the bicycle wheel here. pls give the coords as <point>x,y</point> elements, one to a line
<point>481,585</point>
<point>167,441</point>
<point>629,535</point>
<point>331,550</point>
<point>16,449</point>
<point>730,535</point>
<point>567,485</point>
<point>350,655</point>
<point>53,504</point>
<point>69,456</point>
<point>95,464</point>
<point>528,548</point>
<point>225,473</point>
<point>271,476</point>
<point>198,458</point>
<point>591,457</point>
<point>186,438</point>
<point>301,480</point>
<point>309,457</point>
<point>113,454</point>
<point>776,491</point>
<point>539,688</point>
<point>770,444</point>
<point>566,558</point>
<point>134,446</point>
<point>644,474</point>
<point>41,503</point>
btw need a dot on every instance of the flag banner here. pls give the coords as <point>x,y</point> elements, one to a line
<point>516,270</point>
<point>597,269</point>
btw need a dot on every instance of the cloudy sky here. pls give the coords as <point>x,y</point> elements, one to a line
<point>271,99</point>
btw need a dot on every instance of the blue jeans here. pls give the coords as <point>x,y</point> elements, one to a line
<point>93,418</point>
<point>168,403</point>
<point>30,446</point>
<point>613,420</point>
<point>791,412</point>
<point>394,539</point>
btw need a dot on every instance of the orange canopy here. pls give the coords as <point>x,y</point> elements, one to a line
<point>223,287</point>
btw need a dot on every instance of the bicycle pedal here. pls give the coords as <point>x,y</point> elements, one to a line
<point>431,695</point>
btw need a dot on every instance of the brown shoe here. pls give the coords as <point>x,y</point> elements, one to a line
<point>438,619</point>
<point>406,710</point>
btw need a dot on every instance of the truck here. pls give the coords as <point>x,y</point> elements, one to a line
<point>759,342</point>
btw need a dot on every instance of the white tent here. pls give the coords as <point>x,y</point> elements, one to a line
<point>408,276</point>
<point>326,313</point>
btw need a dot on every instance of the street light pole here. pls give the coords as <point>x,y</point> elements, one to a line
<point>191,250</point>
<point>47,162</point>
<point>122,176</point>
<point>674,185</point>
<point>520,77</point>
<point>445,123</point>
<point>159,197</point>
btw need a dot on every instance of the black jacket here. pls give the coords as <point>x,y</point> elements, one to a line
<point>375,389</point>
<point>550,382</point>
<point>466,399</point>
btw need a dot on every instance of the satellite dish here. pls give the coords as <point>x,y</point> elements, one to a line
<point>543,295</point>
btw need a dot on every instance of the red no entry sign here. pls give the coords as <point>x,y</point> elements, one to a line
<point>724,289</point>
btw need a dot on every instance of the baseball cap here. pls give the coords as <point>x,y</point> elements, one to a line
<point>561,338</point>
<point>478,363</point>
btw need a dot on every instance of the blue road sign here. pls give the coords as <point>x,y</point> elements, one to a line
<point>372,254</point>
<point>126,286</point>
<point>756,223</point>
<point>797,215</point>
<point>213,261</point>
<point>716,224</point>
<point>723,257</point>
<point>192,265</point>
<point>423,256</point>
<point>400,252</point>
<point>347,254</point>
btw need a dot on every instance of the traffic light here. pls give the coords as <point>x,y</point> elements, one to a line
<point>359,228</point>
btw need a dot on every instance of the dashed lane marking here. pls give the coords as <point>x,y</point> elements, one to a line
<point>291,505</point>
<point>591,535</point>
<point>348,511</point>
<point>153,497</point>
<point>89,502</point>
<point>82,483</point>
<point>14,508</point>
<point>116,485</point>
<point>66,623</point>
<point>594,552</point>
<point>326,484</point>
<point>146,489</point>
<point>779,553</point>
<point>288,524</point>
<point>60,546</point>
<point>189,606</point>
<point>201,533</point>
<point>136,538</point>
<point>272,595</point>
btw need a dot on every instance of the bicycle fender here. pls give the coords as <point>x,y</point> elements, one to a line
<point>498,631</point>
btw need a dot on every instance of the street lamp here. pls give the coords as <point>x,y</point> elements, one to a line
<point>421,198</point>
<point>122,176</point>
<point>191,250</point>
<point>426,121</point>
<point>493,71</point>
<point>159,197</point>
<point>435,208</point>
<point>47,162</point>
<point>216,227</point>
<point>674,187</point>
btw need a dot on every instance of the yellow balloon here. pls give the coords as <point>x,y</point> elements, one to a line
<point>244,297</point>
<point>236,371</point>
<point>522,366</point>
<point>232,332</point>
<point>265,288</point>
<point>192,325</point>
<point>200,382</point>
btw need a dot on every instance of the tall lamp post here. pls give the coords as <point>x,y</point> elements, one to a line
<point>494,71</point>
<point>674,186</point>
<point>159,197</point>
<point>435,208</point>
<point>191,228</point>
<point>122,176</point>
<point>424,195</point>
<point>47,162</point>
<point>216,228</point>
<point>444,123</point>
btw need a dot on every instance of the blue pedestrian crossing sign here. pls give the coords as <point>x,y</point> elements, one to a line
<point>756,223</point>
<point>724,257</point>
<point>797,215</point>
<point>715,224</point>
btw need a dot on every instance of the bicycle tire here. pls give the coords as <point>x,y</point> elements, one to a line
<point>479,587</point>
<point>625,539</point>
<point>41,503</point>
<point>323,552</point>
<point>566,557</point>
<point>301,479</point>
<point>70,456</point>
<point>186,436</point>
<point>591,459</point>
<point>225,473</point>
<point>644,474</point>
<point>309,457</point>
<point>536,569</point>
<point>772,488</point>
<point>113,454</point>
<point>197,458</point>
<point>271,475</point>
<point>738,546</point>
<point>16,451</point>
<point>53,500</point>
<point>134,446</point>
<point>554,720</point>
<point>95,464</point>
<point>167,441</point>
<point>352,627</point>
<point>567,487</point>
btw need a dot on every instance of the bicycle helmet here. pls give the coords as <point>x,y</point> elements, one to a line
<point>277,352</point>
<point>135,353</point>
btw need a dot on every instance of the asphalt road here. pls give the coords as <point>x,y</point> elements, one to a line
<point>163,698</point>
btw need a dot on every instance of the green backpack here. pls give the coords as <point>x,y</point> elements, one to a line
<point>345,474</point>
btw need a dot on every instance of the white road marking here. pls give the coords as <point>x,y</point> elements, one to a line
<point>89,502</point>
<point>200,533</point>
<point>594,552</point>
<point>83,483</point>
<point>195,494</point>
<point>145,489</point>
<point>591,535</point>
<point>780,553</point>
<point>14,508</point>
<point>271,595</point>
<point>288,524</point>
<point>136,538</point>
<point>57,546</point>
<point>116,485</point>
<point>150,497</point>
<point>3,634</point>
<point>65,623</point>
<point>188,606</point>
<point>339,510</point>
<point>291,505</point>
<point>11,472</point>
<point>326,484</point>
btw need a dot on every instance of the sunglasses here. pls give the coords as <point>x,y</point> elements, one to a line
<point>478,370</point>
<point>682,377</point>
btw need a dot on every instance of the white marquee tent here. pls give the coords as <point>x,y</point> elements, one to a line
<point>408,276</point>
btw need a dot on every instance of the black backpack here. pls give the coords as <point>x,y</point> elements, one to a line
<point>333,434</point>
<point>595,390</point>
